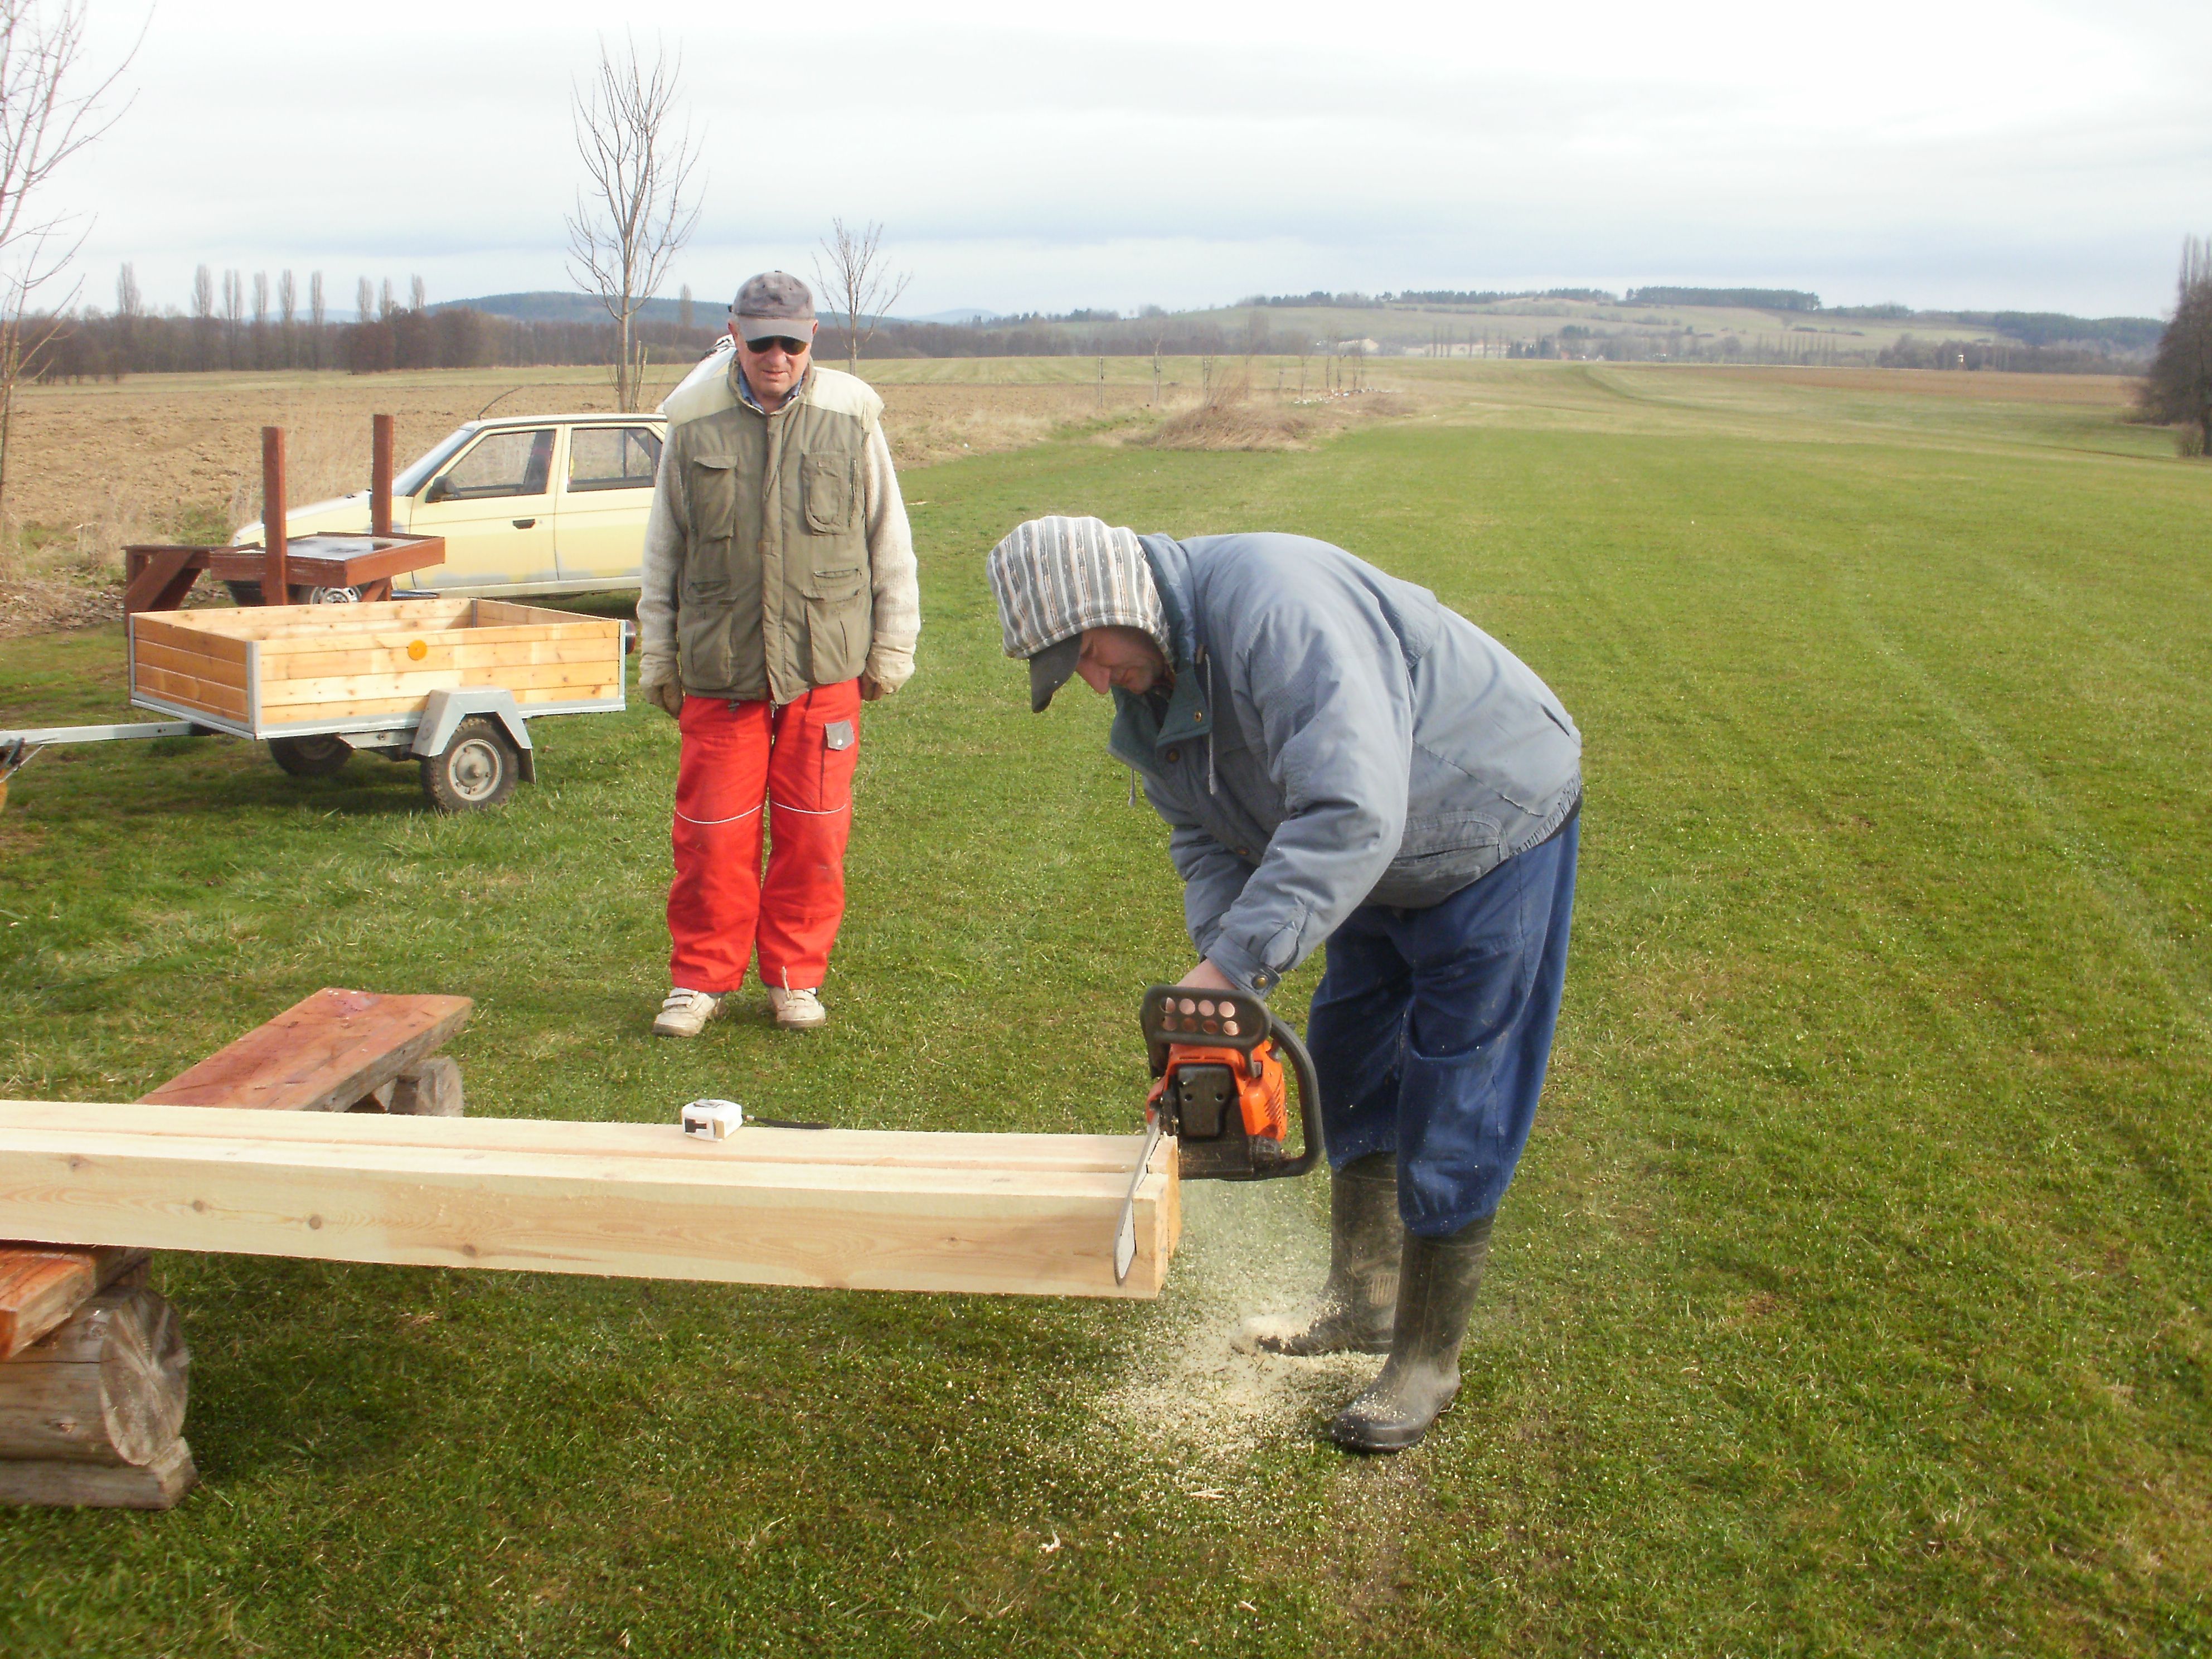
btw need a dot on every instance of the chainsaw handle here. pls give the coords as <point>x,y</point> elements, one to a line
<point>1301,1067</point>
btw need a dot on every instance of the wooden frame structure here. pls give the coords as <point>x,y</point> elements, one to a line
<point>158,575</point>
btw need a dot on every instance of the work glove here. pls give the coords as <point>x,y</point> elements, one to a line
<point>658,684</point>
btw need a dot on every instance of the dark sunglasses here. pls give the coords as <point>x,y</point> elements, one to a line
<point>790,348</point>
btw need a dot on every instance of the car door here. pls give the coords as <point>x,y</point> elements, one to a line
<point>493,506</point>
<point>606,495</point>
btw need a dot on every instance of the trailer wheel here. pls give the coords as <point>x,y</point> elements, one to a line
<point>311,757</point>
<point>479,768</point>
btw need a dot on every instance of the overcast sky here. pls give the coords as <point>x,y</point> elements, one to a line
<point>2033,154</point>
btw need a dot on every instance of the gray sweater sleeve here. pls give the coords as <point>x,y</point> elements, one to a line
<point>1325,686</point>
<point>662,572</point>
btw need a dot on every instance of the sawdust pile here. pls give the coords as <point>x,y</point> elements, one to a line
<point>1188,1398</point>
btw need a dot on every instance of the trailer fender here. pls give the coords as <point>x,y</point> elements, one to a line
<point>444,711</point>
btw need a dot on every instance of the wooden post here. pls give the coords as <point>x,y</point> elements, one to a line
<point>276,588</point>
<point>380,476</point>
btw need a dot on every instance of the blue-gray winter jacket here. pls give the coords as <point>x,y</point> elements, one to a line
<point>1334,737</point>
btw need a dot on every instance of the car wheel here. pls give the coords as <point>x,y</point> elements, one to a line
<point>334,596</point>
<point>311,757</point>
<point>479,768</point>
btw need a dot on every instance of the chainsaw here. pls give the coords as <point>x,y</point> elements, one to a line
<point>1217,1060</point>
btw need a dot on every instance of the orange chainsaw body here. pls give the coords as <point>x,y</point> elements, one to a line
<point>1218,1060</point>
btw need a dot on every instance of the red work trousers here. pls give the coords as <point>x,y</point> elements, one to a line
<point>743,763</point>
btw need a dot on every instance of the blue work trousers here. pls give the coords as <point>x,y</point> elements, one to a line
<point>1431,1030</point>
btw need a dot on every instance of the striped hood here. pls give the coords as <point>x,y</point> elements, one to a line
<point>1055,577</point>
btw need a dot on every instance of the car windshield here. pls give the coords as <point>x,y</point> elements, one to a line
<point>421,472</point>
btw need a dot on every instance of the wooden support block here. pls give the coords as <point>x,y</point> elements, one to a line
<point>155,1486</point>
<point>432,1088</point>
<point>161,582</point>
<point>1013,1214</point>
<point>42,1285</point>
<point>107,1387</point>
<point>321,1054</point>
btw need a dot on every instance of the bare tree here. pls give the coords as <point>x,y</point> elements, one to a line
<point>52,104</point>
<point>635,211</point>
<point>364,300</point>
<point>862,285</point>
<point>386,305</point>
<point>683,313</point>
<point>260,298</point>
<point>315,299</point>
<point>418,296</point>
<point>2178,389</point>
<point>287,299</point>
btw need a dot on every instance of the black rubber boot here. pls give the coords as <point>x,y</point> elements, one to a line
<point>1365,1239</point>
<point>1438,1279</point>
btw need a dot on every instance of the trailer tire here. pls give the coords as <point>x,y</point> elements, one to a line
<point>311,757</point>
<point>479,768</point>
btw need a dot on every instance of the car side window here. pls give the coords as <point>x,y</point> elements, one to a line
<point>612,456</point>
<point>515,463</point>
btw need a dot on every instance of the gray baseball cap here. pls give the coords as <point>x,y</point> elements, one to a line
<point>774,302</point>
<point>1052,668</point>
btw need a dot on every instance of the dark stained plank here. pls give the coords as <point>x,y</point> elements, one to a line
<point>321,1054</point>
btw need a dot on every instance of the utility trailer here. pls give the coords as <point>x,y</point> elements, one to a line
<point>451,682</point>
<point>443,682</point>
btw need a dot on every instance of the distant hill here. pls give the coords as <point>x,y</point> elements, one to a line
<point>549,305</point>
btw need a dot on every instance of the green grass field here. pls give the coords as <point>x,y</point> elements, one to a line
<point>1851,1298</point>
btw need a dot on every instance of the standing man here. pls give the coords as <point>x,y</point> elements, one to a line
<point>779,595</point>
<point>1339,757</point>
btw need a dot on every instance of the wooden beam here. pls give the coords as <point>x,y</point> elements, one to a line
<point>162,580</point>
<point>156,1486</point>
<point>42,1285</point>
<point>1012,1214</point>
<point>321,1054</point>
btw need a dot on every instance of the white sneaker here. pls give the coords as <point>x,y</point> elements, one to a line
<point>686,1013</point>
<point>796,1010</point>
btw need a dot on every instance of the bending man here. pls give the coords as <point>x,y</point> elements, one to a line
<point>779,595</point>
<point>1340,759</point>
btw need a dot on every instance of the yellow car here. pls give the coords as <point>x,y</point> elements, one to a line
<point>527,504</point>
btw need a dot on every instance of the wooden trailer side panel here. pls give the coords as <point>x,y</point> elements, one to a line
<point>282,668</point>
<point>189,668</point>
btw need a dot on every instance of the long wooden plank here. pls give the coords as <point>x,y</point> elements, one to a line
<point>372,708</point>
<point>279,694</point>
<point>712,1213</point>
<point>158,1486</point>
<point>339,660</point>
<point>381,637</point>
<point>255,622</point>
<point>764,1142</point>
<point>321,1054</point>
